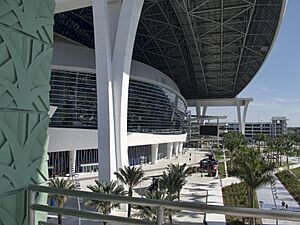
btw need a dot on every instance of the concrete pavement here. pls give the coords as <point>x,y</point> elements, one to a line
<point>198,189</point>
<point>270,197</point>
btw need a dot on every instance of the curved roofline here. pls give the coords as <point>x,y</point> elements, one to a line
<point>283,9</point>
<point>235,43</point>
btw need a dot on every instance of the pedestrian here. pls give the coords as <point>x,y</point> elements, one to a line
<point>286,206</point>
<point>282,205</point>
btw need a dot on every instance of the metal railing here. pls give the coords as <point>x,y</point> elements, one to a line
<point>159,204</point>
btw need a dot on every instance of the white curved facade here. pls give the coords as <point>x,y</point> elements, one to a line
<point>71,63</point>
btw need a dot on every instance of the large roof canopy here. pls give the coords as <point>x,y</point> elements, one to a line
<point>210,48</point>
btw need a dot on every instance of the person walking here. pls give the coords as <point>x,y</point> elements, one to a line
<point>286,206</point>
<point>282,205</point>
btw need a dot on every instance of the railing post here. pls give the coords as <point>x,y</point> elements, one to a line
<point>31,212</point>
<point>160,215</point>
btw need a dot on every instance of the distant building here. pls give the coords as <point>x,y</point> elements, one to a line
<point>294,130</point>
<point>276,127</point>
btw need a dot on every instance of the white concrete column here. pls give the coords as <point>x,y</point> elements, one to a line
<point>121,63</point>
<point>154,153</point>
<point>244,117</point>
<point>180,145</point>
<point>239,117</point>
<point>115,25</point>
<point>176,148</point>
<point>169,150</point>
<point>72,162</point>
<point>103,55</point>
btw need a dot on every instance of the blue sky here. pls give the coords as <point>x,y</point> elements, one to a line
<point>276,87</point>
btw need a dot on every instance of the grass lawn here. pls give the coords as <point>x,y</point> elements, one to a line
<point>219,157</point>
<point>236,195</point>
<point>291,183</point>
<point>221,170</point>
<point>296,172</point>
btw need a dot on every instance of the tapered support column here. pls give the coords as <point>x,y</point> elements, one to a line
<point>26,39</point>
<point>242,119</point>
<point>125,36</point>
<point>180,147</point>
<point>103,54</point>
<point>169,150</point>
<point>72,162</point>
<point>154,153</point>
<point>115,29</point>
<point>176,148</point>
<point>239,117</point>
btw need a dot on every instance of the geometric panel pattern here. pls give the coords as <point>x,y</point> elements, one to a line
<point>210,48</point>
<point>26,40</point>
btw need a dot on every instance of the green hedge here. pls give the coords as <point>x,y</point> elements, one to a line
<point>296,172</point>
<point>236,195</point>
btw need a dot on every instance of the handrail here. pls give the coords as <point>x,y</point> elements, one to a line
<point>234,211</point>
<point>46,223</point>
<point>90,215</point>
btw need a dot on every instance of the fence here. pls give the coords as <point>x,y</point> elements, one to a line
<point>159,204</point>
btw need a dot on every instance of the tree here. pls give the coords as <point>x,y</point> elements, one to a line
<point>111,187</point>
<point>232,142</point>
<point>61,199</point>
<point>131,177</point>
<point>288,140</point>
<point>149,213</point>
<point>260,138</point>
<point>253,170</point>
<point>175,178</point>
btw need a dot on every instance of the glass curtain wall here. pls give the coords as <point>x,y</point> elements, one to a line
<point>151,108</point>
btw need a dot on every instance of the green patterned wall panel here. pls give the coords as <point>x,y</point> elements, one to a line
<point>26,39</point>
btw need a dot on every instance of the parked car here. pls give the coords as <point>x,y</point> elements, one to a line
<point>208,163</point>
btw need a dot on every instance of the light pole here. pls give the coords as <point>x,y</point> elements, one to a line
<point>274,194</point>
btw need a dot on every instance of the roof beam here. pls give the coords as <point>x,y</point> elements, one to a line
<point>68,5</point>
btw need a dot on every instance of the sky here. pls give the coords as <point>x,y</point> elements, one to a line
<point>276,87</point>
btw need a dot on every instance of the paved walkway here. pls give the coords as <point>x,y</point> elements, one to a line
<point>267,198</point>
<point>198,189</point>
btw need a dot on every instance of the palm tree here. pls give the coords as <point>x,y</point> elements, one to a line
<point>232,142</point>
<point>260,138</point>
<point>111,187</point>
<point>175,178</point>
<point>149,213</point>
<point>253,170</point>
<point>288,140</point>
<point>61,199</point>
<point>131,177</point>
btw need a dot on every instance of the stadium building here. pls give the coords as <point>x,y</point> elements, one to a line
<point>122,75</point>
<point>155,58</point>
<point>148,61</point>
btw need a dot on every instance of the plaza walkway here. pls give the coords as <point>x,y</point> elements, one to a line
<point>198,189</point>
<point>270,197</point>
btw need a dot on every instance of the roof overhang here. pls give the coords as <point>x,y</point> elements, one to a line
<point>219,102</point>
<point>211,49</point>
